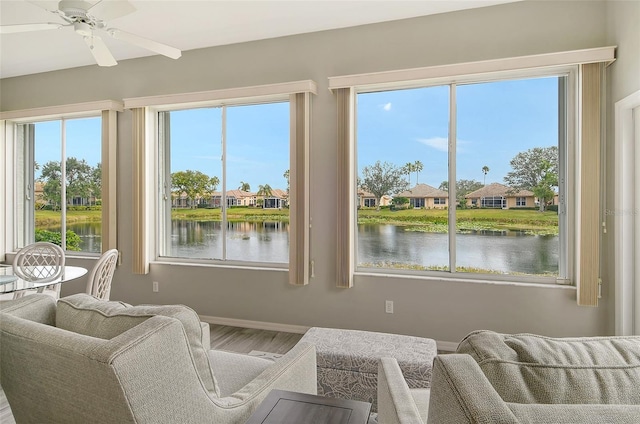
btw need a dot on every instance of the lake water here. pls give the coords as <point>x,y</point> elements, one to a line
<point>502,251</point>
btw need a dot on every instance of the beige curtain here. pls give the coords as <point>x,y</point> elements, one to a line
<point>588,247</point>
<point>140,256</point>
<point>346,192</point>
<point>109,169</point>
<point>299,264</point>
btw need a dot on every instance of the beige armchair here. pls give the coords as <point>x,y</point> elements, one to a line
<point>522,378</point>
<point>87,360</point>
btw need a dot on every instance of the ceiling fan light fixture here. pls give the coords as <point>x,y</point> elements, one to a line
<point>83,29</point>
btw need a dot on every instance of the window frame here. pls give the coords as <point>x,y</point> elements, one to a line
<point>163,208</point>
<point>568,155</point>
<point>145,151</point>
<point>13,232</point>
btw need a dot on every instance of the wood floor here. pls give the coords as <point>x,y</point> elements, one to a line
<point>244,340</point>
<point>223,337</point>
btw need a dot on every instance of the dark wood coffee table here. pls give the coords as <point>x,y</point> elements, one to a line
<point>282,407</point>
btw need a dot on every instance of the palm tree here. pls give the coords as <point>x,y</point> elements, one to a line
<point>417,167</point>
<point>408,169</point>
<point>264,191</point>
<point>244,186</point>
<point>485,171</point>
<point>286,176</point>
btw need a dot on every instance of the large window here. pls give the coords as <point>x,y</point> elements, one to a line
<point>225,178</point>
<point>478,151</point>
<point>60,182</point>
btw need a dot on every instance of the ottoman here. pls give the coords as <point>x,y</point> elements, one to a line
<point>347,361</point>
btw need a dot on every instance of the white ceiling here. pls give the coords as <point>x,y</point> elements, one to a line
<point>189,25</point>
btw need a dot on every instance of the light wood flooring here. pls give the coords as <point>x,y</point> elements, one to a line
<point>244,340</point>
<point>223,337</point>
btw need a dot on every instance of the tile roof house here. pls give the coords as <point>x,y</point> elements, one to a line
<point>496,195</point>
<point>368,200</point>
<point>425,196</point>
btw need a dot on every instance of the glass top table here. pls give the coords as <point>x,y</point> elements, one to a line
<point>10,283</point>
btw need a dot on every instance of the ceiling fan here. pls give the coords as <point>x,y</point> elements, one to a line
<point>89,20</point>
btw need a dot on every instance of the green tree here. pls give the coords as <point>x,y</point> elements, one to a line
<point>400,202</point>
<point>192,183</point>
<point>244,186</point>
<point>95,182</point>
<point>79,176</point>
<point>485,171</point>
<point>417,168</point>
<point>50,177</point>
<point>544,190</point>
<point>73,240</point>
<point>463,187</point>
<point>382,179</point>
<point>211,186</point>
<point>535,170</point>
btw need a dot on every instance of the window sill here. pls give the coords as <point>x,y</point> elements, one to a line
<point>259,267</point>
<point>464,280</point>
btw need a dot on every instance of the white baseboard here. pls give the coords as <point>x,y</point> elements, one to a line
<point>289,328</point>
<point>258,325</point>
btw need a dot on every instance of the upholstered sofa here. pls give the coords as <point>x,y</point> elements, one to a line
<point>522,378</point>
<point>83,360</point>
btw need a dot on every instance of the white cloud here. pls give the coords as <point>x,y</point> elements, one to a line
<point>442,144</point>
<point>386,107</point>
<point>438,143</point>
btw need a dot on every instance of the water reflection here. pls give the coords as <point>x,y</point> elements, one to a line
<point>511,252</point>
<point>389,245</point>
<point>90,234</point>
<point>254,241</point>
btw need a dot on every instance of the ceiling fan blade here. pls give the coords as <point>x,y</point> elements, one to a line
<point>100,52</point>
<point>108,10</point>
<point>8,29</point>
<point>50,6</point>
<point>145,43</point>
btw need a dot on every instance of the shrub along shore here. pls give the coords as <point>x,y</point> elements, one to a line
<point>421,220</point>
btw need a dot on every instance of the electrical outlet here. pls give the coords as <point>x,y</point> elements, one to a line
<point>388,306</point>
<point>155,287</point>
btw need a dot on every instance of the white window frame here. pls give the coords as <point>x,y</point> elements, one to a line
<point>163,223</point>
<point>12,230</point>
<point>566,264</point>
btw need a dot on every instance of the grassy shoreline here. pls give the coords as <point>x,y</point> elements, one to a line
<point>419,220</point>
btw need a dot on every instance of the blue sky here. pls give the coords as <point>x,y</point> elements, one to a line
<point>257,143</point>
<point>83,140</point>
<point>495,121</point>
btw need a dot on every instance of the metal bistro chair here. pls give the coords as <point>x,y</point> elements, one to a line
<point>99,282</point>
<point>41,262</point>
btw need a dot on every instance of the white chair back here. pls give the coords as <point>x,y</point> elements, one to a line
<point>42,262</point>
<point>99,282</point>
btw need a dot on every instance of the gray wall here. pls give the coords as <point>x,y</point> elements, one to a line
<point>623,79</point>
<point>443,310</point>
